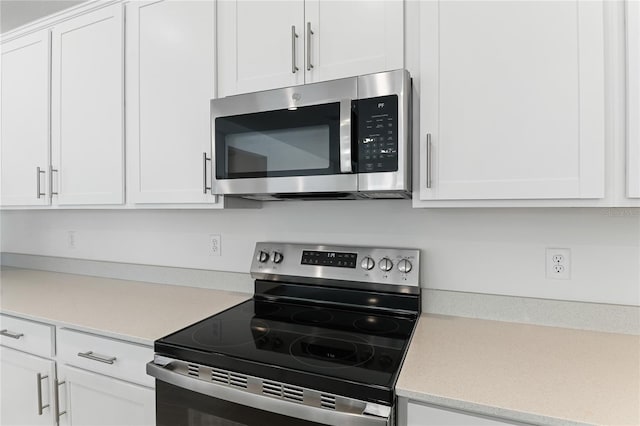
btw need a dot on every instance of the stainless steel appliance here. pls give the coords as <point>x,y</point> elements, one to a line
<point>347,138</point>
<point>320,343</point>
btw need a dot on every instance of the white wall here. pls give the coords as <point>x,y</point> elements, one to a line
<point>497,251</point>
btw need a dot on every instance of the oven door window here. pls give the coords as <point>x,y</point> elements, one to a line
<point>176,406</point>
<point>299,142</point>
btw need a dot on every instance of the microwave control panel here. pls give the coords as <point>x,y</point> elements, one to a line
<point>378,134</point>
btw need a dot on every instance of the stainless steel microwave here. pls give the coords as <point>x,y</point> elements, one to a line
<point>340,139</point>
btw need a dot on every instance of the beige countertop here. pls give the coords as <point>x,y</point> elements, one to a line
<point>536,374</point>
<point>130,310</point>
<point>523,372</point>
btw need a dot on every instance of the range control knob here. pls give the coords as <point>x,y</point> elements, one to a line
<point>404,266</point>
<point>277,257</point>
<point>367,263</point>
<point>386,264</point>
<point>262,256</point>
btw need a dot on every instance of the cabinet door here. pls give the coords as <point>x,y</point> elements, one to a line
<point>20,387</point>
<point>633,99</point>
<point>94,399</point>
<point>512,95</point>
<point>261,45</point>
<point>24,131</point>
<point>171,75</point>
<point>349,38</point>
<point>88,108</point>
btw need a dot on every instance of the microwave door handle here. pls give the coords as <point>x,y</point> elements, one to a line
<point>345,136</point>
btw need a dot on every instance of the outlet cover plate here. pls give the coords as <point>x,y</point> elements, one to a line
<point>215,244</point>
<point>558,264</point>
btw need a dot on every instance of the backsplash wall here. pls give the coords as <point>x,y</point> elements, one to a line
<point>494,251</point>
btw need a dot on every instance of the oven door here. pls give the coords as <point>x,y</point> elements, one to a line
<point>285,141</point>
<point>183,400</point>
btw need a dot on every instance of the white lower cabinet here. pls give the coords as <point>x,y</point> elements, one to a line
<point>26,392</point>
<point>104,381</point>
<point>93,399</point>
<point>99,380</point>
<point>418,414</point>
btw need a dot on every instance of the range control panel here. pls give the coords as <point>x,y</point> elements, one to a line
<point>378,134</point>
<point>344,263</point>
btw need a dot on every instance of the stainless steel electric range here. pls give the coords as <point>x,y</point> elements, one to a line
<point>320,343</point>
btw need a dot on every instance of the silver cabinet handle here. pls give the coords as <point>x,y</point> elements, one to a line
<point>56,394</point>
<point>38,173</point>
<point>309,33</point>
<point>345,136</point>
<point>294,36</point>
<point>97,357</point>
<point>40,406</point>
<point>429,160</point>
<point>51,172</point>
<point>205,188</point>
<point>11,334</point>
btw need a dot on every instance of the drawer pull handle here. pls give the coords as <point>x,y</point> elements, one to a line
<point>96,357</point>
<point>56,391</point>
<point>40,406</point>
<point>11,334</point>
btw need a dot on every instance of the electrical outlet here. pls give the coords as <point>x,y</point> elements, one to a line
<point>558,263</point>
<point>215,244</point>
<point>71,239</point>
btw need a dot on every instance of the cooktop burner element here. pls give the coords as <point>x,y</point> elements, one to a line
<point>320,326</point>
<point>213,334</point>
<point>331,350</point>
<point>377,325</point>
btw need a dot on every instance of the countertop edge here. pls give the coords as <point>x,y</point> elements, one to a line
<point>62,324</point>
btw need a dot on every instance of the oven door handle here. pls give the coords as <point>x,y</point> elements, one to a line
<point>166,374</point>
<point>345,136</point>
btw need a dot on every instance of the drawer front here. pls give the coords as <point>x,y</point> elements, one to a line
<point>28,336</point>
<point>111,357</point>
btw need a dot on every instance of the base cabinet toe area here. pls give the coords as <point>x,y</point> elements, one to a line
<point>88,379</point>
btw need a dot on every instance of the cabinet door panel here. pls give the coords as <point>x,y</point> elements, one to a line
<point>25,120</point>
<point>353,38</point>
<point>19,388</point>
<point>87,108</point>
<point>171,69</point>
<point>93,399</point>
<point>512,94</point>
<point>633,99</point>
<point>255,45</point>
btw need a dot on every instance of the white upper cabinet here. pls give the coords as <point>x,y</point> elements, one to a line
<point>633,98</point>
<point>270,44</point>
<point>25,120</point>
<point>347,38</point>
<point>260,45</point>
<point>88,108</point>
<point>512,97</point>
<point>170,83</point>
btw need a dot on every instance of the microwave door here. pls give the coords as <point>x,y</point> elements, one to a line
<point>305,149</point>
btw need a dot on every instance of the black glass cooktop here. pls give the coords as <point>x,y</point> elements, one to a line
<point>330,349</point>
